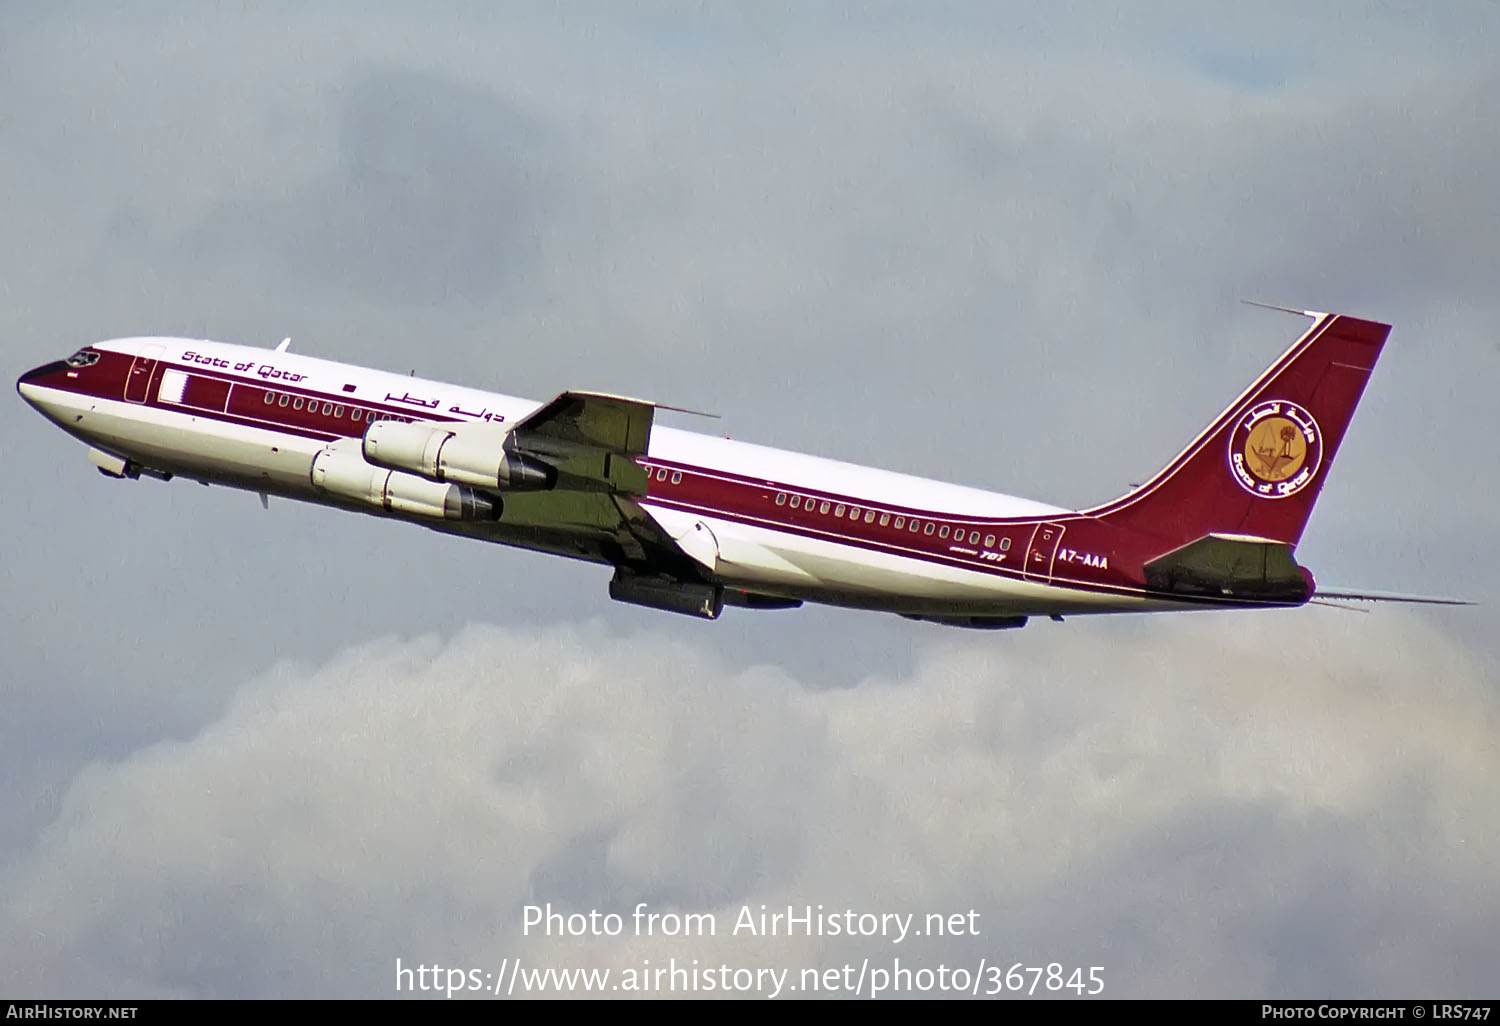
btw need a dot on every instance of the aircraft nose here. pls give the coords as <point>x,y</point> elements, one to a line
<point>30,384</point>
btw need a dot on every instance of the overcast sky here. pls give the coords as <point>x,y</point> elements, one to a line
<point>254,753</point>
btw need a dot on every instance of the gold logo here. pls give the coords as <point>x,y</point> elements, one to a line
<point>1275,450</point>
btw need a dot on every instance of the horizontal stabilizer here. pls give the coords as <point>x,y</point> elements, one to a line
<point>1388,596</point>
<point>1223,566</point>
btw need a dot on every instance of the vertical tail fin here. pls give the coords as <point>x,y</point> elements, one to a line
<point>1257,469</point>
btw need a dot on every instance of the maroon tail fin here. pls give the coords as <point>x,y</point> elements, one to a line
<point>1257,469</point>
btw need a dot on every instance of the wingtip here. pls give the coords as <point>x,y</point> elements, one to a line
<point>684,409</point>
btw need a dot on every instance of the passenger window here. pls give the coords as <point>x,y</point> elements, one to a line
<point>989,541</point>
<point>944,532</point>
<point>928,529</point>
<point>885,518</point>
<point>297,403</point>
<point>781,498</point>
<point>661,475</point>
<point>1004,544</point>
<point>283,400</point>
<point>823,508</point>
<point>869,516</point>
<point>796,501</point>
<point>356,414</point>
<point>677,477</point>
<point>915,525</point>
<point>838,510</point>
<point>338,411</point>
<point>973,537</point>
<point>327,409</point>
<point>900,523</point>
<point>270,398</point>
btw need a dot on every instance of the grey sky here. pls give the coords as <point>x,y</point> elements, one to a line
<point>997,244</point>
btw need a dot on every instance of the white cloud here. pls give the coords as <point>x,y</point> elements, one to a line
<point>1228,805</point>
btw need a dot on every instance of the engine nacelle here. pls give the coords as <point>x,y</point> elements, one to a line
<point>981,623</point>
<point>470,454</point>
<point>348,476</point>
<point>701,600</point>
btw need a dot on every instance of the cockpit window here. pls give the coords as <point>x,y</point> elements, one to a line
<point>84,358</point>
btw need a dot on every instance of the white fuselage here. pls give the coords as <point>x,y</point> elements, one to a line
<point>193,416</point>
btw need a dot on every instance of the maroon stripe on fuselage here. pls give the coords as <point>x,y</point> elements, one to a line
<point>706,489</point>
<point>890,540</point>
<point>1097,554</point>
<point>229,398</point>
<point>348,401</point>
<point>849,500</point>
<point>889,547</point>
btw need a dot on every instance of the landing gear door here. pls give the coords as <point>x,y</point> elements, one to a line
<point>141,371</point>
<point>1040,553</point>
<point>691,535</point>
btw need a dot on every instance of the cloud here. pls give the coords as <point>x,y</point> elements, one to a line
<point>1291,805</point>
<point>439,194</point>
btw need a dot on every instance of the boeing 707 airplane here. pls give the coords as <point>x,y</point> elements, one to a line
<point>691,522</point>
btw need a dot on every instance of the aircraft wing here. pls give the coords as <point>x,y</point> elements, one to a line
<point>592,439</point>
<point>595,441</point>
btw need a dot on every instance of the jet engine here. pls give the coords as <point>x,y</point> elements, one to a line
<point>982,623</point>
<point>348,476</point>
<point>701,600</point>
<point>470,454</point>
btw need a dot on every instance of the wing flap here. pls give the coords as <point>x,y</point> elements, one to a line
<point>595,441</point>
<point>593,420</point>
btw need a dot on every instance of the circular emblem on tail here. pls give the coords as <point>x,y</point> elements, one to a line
<point>1275,449</point>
